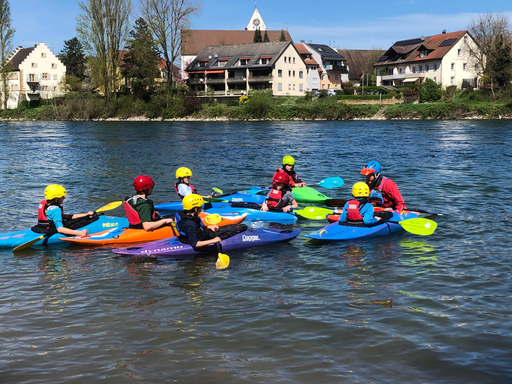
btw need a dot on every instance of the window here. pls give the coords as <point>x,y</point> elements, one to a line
<point>289,73</point>
<point>33,65</point>
<point>289,87</point>
<point>43,55</point>
<point>435,67</point>
<point>294,60</point>
<point>294,87</point>
<point>279,86</point>
<point>301,75</point>
<point>400,70</point>
<point>459,51</point>
<point>453,66</point>
<point>285,59</point>
<point>420,68</point>
<point>45,76</point>
<point>55,77</point>
<point>31,77</point>
<point>323,76</point>
<point>244,61</point>
<point>413,69</point>
<point>464,67</point>
<point>54,66</point>
<point>293,73</point>
<point>424,53</point>
<point>45,88</point>
<point>465,39</point>
<point>301,87</point>
<point>390,71</point>
<point>329,77</point>
<point>279,73</point>
<point>13,76</point>
<point>452,80</point>
<point>335,86</point>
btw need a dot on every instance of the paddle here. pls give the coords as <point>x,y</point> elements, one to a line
<point>331,182</point>
<point>335,202</point>
<point>313,213</point>
<point>418,226</point>
<point>222,259</point>
<point>26,245</point>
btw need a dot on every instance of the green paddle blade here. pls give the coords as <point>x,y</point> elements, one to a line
<point>419,226</point>
<point>28,244</point>
<point>217,190</point>
<point>313,213</point>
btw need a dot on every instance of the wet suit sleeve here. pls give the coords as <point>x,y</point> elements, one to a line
<point>191,229</point>
<point>343,216</point>
<point>295,178</point>
<point>391,193</point>
<point>367,213</point>
<point>54,214</point>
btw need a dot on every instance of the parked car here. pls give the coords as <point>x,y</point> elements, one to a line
<point>328,92</point>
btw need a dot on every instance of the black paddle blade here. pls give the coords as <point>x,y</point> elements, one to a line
<point>335,202</point>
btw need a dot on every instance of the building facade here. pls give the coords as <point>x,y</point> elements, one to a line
<point>35,73</point>
<point>313,69</point>
<point>443,58</point>
<point>228,71</point>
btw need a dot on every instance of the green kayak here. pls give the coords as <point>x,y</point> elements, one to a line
<point>308,195</point>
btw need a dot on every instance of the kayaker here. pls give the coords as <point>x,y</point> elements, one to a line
<point>384,191</point>
<point>139,210</point>
<point>280,197</point>
<point>183,187</point>
<point>51,218</point>
<point>288,168</point>
<point>192,230</point>
<point>359,209</point>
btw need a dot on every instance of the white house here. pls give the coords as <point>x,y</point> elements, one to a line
<point>35,73</point>
<point>443,58</point>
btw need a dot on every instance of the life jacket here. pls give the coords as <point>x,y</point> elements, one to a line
<point>354,211</point>
<point>188,185</point>
<point>274,198</point>
<point>45,225</point>
<point>181,217</point>
<point>130,204</point>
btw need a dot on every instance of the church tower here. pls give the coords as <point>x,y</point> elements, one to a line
<point>256,22</point>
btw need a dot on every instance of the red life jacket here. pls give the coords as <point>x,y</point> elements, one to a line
<point>189,185</point>
<point>131,213</point>
<point>354,211</point>
<point>45,225</point>
<point>274,198</point>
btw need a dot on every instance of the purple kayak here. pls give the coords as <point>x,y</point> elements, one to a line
<point>172,247</point>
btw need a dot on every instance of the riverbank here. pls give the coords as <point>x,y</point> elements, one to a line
<point>259,107</point>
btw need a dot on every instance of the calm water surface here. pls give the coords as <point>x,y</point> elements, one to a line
<point>292,313</point>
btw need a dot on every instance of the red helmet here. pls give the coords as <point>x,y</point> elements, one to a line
<point>281,177</point>
<point>143,182</point>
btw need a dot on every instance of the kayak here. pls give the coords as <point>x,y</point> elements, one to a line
<point>243,197</point>
<point>345,231</point>
<point>127,235</point>
<point>301,194</point>
<point>13,239</point>
<point>174,248</point>
<point>253,214</point>
<point>336,217</point>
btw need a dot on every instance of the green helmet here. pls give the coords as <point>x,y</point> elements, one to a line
<point>288,160</point>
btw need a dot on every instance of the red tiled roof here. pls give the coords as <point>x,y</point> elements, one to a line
<point>302,49</point>
<point>194,40</point>
<point>310,62</point>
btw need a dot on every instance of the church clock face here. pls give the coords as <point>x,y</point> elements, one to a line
<point>256,22</point>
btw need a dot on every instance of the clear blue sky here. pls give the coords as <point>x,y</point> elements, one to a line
<point>352,25</point>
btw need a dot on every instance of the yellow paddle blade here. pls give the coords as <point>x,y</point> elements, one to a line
<point>28,244</point>
<point>222,261</point>
<point>419,226</point>
<point>314,213</point>
<point>212,219</point>
<point>110,206</point>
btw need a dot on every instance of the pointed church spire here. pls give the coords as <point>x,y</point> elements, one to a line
<point>256,21</point>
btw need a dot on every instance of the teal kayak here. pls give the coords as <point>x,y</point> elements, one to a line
<point>14,239</point>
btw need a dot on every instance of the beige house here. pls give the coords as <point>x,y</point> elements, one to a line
<point>35,73</point>
<point>233,70</point>
<point>443,58</point>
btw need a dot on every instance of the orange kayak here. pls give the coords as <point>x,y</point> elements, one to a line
<point>130,236</point>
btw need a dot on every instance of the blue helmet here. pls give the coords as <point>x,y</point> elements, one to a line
<point>371,167</point>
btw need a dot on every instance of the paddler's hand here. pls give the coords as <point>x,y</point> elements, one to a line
<point>213,227</point>
<point>216,240</point>
<point>303,184</point>
<point>168,221</point>
<point>82,233</point>
<point>90,213</point>
<point>287,209</point>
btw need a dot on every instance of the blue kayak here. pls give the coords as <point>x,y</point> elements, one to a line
<point>172,247</point>
<point>345,231</point>
<point>253,214</point>
<point>13,239</point>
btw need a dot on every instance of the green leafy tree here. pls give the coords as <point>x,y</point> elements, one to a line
<point>503,62</point>
<point>257,36</point>
<point>265,37</point>
<point>140,64</point>
<point>430,91</point>
<point>282,37</point>
<point>73,57</point>
<point>6,36</point>
<point>370,70</point>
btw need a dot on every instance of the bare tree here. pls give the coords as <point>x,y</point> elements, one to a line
<point>491,32</point>
<point>167,19</point>
<point>6,36</point>
<point>103,27</point>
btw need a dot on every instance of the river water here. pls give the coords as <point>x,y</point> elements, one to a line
<point>291,313</point>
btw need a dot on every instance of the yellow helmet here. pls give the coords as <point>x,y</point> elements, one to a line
<point>183,172</point>
<point>360,190</point>
<point>54,191</point>
<point>191,201</point>
<point>288,160</point>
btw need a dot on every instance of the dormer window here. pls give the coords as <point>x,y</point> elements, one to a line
<point>243,61</point>
<point>264,60</point>
<point>220,63</point>
<point>423,53</point>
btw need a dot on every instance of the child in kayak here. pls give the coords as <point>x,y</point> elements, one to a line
<point>359,210</point>
<point>51,218</point>
<point>192,230</point>
<point>288,165</point>
<point>280,197</point>
<point>183,187</point>
<point>139,210</point>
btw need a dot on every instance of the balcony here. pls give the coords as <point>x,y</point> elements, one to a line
<point>215,80</point>
<point>336,68</point>
<point>260,79</point>
<point>232,80</point>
